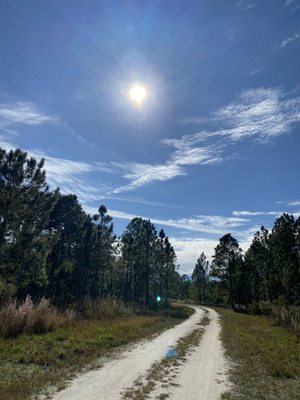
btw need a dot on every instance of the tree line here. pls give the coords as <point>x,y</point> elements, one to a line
<point>50,247</point>
<point>269,270</point>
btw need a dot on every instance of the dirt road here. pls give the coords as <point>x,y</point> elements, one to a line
<point>201,376</point>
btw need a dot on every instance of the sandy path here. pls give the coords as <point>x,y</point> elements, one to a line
<point>109,381</point>
<point>204,376</point>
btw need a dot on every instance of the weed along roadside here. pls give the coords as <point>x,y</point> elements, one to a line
<point>266,358</point>
<point>32,364</point>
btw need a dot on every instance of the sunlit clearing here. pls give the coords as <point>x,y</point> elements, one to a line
<point>137,94</point>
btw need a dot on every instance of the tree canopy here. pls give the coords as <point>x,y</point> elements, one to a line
<point>49,246</point>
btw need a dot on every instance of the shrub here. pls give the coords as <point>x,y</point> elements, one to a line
<point>108,308</point>
<point>42,319</point>
<point>181,312</point>
<point>265,307</point>
<point>31,318</point>
<point>287,316</point>
<point>12,322</point>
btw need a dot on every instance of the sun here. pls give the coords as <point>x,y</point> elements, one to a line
<point>137,93</point>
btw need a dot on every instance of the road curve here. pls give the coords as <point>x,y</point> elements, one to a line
<point>203,376</point>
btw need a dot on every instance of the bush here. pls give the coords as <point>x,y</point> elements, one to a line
<point>12,321</point>
<point>108,308</point>
<point>282,314</point>
<point>42,319</point>
<point>31,318</point>
<point>181,312</point>
<point>287,316</point>
<point>265,307</point>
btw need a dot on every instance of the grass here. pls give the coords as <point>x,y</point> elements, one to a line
<point>30,364</point>
<point>266,358</point>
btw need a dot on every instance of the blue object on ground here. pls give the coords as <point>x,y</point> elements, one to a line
<point>171,352</point>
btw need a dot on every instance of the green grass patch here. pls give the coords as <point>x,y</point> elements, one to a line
<point>266,358</point>
<point>30,364</point>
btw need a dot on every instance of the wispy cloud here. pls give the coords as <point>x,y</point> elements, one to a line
<point>193,120</point>
<point>255,71</point>
<point>258,113</point>
<point>289,39</point>
<point>6,142</point>
<point>254,213</point>
<point>289,2</point>
<point>245,5</point>
<point>276,214</point>
<point>291,203</point>
<point>139,200</point>
<point>25,113</point>
<point>141,174</point>
<point>184,155</point>
<point>15,114</point>
<point>211,224</point>
<point>187,153</point>
<point>214,224</point>
<point>69,175</point>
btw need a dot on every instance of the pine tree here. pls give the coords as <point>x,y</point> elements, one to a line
<point>101,277</point>
<point>200,276</point>
<point>258,260</point>
<point>25,204</point>
<point>67,221</point>
<point>225,264</point>
<point>283,245</point>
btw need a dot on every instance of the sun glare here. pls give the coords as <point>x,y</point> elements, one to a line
<point>137,94</point>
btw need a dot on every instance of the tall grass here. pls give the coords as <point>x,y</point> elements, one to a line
<point>29,318</point>
<point>282,314</point>
<point>36,318</point>
<point>108,308</point>
<point>287,316</point>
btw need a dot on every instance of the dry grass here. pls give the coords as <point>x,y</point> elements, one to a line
<point>29,364</point>
<point>30,318</point>
<point>108,308</point>
<point>266,357</point>
<point>287,316</point>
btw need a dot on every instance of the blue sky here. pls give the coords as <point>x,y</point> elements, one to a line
<point>214,148</point>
